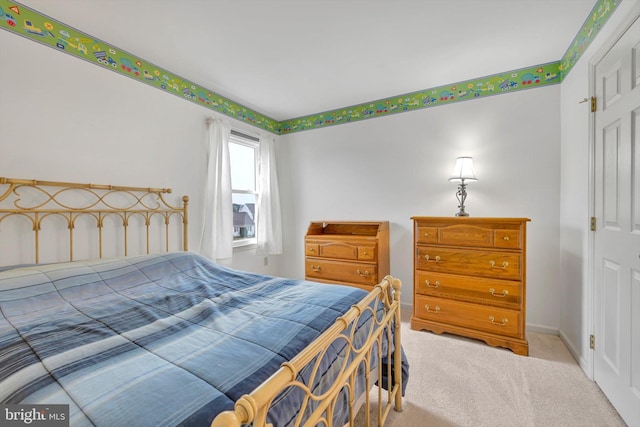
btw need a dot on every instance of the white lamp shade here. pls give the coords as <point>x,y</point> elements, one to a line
<point>463,170</point>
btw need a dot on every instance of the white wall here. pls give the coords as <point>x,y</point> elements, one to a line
<point>397,167</point>
<point>64,119</point>
<point>576,190</point>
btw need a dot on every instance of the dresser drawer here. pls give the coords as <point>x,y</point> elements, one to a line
<point>465,235</point>
<point>341,250</point>
<point>505,265</point>
<point>477,317</point>
<point>507,239</point>
<point>311,249</point>
<point>337,249</point>
<point>366,253</point>
<point>470,235</point>
<point>426,234</point>
<point>353,272</point>
<point>495,292</point>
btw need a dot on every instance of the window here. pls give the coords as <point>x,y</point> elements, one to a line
<point>243,153</point>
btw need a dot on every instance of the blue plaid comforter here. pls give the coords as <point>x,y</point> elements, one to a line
<point>158,340</point>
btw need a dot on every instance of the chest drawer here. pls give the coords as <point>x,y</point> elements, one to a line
<point>340,250</point>
<point>465,235</point>
<point>507,239</point>
<point>482,235</point>
<point>426,234</point>
<point>489,319</point>
<point>352,272</point>
<point>505,265</point>
<point>495,292</point>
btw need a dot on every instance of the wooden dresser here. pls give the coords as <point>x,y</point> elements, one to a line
<point>470,278</point>
<point>350,253</point>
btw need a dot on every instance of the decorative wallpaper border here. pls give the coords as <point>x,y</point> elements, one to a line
<point>33,25</point>
<point>599,15</point>
<point>510,81</point>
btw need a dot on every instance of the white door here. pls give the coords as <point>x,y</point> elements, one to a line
<point>617,239</point>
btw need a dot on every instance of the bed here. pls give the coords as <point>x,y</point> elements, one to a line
<point>167,337</point>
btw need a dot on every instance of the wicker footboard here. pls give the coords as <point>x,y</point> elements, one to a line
<point>362,358</point>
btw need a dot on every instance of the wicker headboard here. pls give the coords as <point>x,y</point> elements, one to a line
<point>89,214</point>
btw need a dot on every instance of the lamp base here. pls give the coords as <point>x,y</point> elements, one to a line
<point>461,195</point>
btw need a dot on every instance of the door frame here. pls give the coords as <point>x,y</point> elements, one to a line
<point>611,40</point>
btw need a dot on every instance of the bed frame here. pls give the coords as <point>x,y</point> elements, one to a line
<point>253,408</point>
<point>38,200</point>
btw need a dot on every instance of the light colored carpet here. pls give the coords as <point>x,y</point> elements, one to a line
<point>456,381</point>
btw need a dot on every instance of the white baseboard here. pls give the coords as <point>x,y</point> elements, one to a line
<point>582,362</point>
<point>406,307</point>
<point>542,329</point>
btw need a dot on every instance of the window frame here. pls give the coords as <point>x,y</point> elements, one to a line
<point>249,141</point>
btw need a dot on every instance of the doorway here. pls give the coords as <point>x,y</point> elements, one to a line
<point>616,241</point>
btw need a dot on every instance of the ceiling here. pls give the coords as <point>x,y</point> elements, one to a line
<point>290,58</point>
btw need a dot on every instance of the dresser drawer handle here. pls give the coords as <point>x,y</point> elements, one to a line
<point>504,293</point>
<point>504,321</point>
<point>505,264</point>
<point>361,274</point>
<point>428,258</point>
<point>436,310</point>
<point>312,250</point>
<point>429,285</point>
<point>506,238</point>
<point>315,268</point>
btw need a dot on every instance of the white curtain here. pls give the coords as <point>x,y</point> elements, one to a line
<point>268,214</point>
<point>217,232</point>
